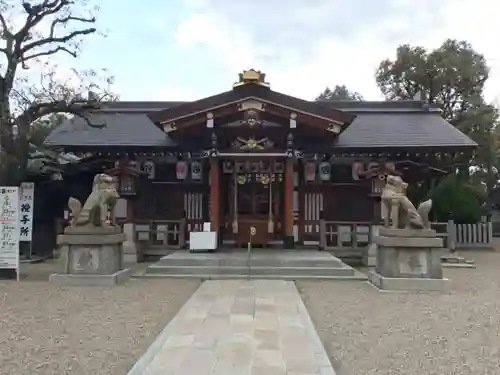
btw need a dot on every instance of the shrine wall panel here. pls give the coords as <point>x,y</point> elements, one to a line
<point>351,202</point>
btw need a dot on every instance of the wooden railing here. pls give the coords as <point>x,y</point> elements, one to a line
<point>479,235</point>
<point>339,235</point>
<point>465,236</point>
<point>346,235</point>
<point>161,233</point>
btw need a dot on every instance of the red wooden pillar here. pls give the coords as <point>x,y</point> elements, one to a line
<point>289,241</point>
<point>215,194</point>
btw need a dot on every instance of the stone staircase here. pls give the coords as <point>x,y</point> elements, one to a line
<point>262,264</point>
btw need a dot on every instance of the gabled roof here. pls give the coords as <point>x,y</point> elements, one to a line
<point>251,91</point>
<point>378,124</point>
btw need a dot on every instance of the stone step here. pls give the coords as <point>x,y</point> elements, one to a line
<point>358,276</point>
<point>252,262</point>
<point>255,270</point>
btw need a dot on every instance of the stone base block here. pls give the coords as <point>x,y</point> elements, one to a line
<point>131,253</point>
<point>370,255</point>
<point>408,284</point>
<point>406,232</point>
<point>370,252</point>
<point>130,258</point>
<point>91,280</point>
<point>408,242</point>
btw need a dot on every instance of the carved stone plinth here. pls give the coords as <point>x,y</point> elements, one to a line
<point>408,259</point>
<point>91,256</point>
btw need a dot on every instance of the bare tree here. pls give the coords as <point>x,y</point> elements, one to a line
<point>32,34</point>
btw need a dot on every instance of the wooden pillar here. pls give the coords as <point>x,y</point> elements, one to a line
<point>215,194</point>
<point>289,241</point>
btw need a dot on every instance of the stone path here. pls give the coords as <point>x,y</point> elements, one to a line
<point>238,327</point>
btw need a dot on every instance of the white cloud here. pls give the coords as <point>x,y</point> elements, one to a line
<point>304,48</point>
<point>218,37</point>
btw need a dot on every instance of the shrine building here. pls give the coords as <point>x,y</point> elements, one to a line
<point>254,157</point>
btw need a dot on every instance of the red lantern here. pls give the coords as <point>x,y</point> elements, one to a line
<point>310,171</point>
<point>181,170</point>
<point>391,166</point>
<point>357,169</point>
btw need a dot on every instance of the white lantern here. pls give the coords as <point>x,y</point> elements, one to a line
<point>324,171</point>
<point>149,168</point>
<point>196,171</point>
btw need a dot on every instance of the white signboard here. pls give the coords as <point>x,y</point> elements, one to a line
<point>26,200</point>
<point>202,240</point>
<point>9,228</point>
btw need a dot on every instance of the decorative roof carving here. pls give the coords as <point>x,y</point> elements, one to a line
<point>251,117</point>
<point>252,76</point>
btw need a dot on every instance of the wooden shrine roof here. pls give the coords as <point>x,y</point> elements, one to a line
<point>377,125</point>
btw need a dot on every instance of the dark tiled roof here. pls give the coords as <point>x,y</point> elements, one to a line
<point>251,90</point>
<point>402,129</point>
<point>127,126</point>
<point>378,124</point>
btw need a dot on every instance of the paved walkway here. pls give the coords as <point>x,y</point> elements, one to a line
<point>238,327</point>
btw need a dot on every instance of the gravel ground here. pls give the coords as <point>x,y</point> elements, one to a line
<point>369,332</point>
<point>52,330</point>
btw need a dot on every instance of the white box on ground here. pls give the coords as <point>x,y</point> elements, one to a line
<point>202,240</point>
<point>207,227</point>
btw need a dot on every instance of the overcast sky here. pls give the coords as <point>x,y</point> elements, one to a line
<point>188,49</point>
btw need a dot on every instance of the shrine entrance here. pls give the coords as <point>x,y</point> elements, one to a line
<point>253,192</point>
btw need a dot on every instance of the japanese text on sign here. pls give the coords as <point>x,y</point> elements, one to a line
<point>9,228</point>
<point>26,199</point>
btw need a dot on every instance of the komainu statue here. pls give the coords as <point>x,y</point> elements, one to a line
<point>400,210</point>
<point>95,210</point>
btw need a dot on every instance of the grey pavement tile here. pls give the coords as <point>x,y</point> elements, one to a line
<point>242,328</point>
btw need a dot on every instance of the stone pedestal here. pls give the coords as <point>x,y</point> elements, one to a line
<point>408,259</point>
<point>130,249</point>
<point>91,256</point>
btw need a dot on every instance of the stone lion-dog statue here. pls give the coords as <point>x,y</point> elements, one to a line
<point>95,210</point>
<point>400,210</point>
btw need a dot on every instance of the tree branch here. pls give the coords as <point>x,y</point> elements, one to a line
<point>52,38</point>
<point>5,30</point>
<point>36,14</point>
<point>47,53</point>
<point>38,110</point>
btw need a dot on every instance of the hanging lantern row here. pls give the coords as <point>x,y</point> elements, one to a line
<point>147,167</point>
<point>313,169</point>
<point>183,168</point>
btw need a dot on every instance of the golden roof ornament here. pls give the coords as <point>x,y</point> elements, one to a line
<point>252,76</point>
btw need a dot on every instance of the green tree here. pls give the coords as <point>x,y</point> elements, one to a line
<point>47,28</point>
<point>41,128</point>
<point>453,77</point>
<point>463,201</point>
<point>339,93</point>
